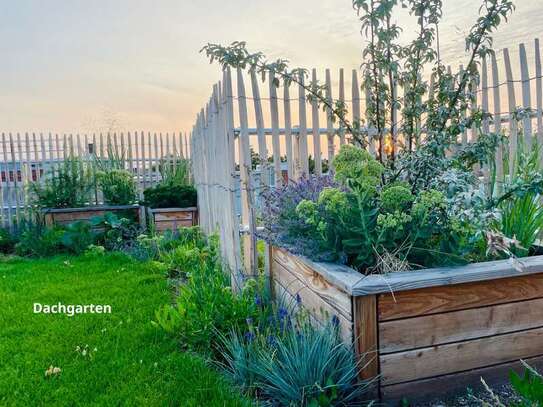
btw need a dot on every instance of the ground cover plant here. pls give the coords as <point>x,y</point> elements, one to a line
<point>96,359</point>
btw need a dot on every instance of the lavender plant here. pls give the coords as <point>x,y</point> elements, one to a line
<point>283,227</point>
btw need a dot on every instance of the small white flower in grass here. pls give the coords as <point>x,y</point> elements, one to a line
<point>156,364</point>
<point>52,371</point>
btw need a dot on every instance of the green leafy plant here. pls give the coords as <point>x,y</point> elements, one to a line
<point>7,241</point>
<point>521,219</point>
<point>175,171</point>
<point>118,187</point>
<point>170,196</point>
<point>113,232</point>
<point>37,240</point>
<point>529,386</point>
<point>77,237</point>
<point>206,304</point>
<point>67,186</point>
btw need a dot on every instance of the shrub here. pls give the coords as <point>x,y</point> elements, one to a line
<point>67,186</point>
<point>170,196</point>
<point>115,233</point>
<point>118,187</point>
<point>7,241</point>
<point>77,237</point>
<point>36,240</point>
<point>206,305</point>
<point>293,364</point>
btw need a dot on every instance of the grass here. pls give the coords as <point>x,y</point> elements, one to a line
<point>134,362</point>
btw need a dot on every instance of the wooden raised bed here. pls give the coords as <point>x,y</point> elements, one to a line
<point>426,333</point>
<point>64,216</point>
<point>173,218</point>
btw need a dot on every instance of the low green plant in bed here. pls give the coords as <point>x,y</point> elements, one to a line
<point>95,359</point>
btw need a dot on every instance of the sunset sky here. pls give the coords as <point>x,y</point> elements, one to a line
<point>79,66</point>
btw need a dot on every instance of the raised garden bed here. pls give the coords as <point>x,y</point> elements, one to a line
<point>64,216</point>
<point>172,218</point>
<point>430,332</point>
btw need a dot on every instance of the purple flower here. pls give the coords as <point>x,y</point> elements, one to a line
<point>271,340</point>
<point>249,336</point>
<point>298,299</point>
<point>282,227</point>
<point>258,300</point>
<point>249,321</point>
<point>335,321</point>
<point>282,312</point>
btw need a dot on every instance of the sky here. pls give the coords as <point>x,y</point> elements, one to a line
<point>126,65</point>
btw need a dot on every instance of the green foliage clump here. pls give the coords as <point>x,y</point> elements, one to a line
<point>529,387</point>
<point>118,187</point>
<point>175,172</point>
<point>365,220</point>
<point>7,241</point>
<point>113,232</point>
<point>68,186</point>
<point>77,237</point>
<point>293,364</point>
<point>38,241</point>
<point>206,305</point>
<point>170,196</point>
<point>396,198</point>
<point>357,169</point>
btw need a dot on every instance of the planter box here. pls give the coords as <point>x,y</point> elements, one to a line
<point>173,218</point>
<point>65,216</point>
<point>425,333</point>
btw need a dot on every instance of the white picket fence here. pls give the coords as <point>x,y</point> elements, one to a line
<point>26,157</point>
<point>220,143</point>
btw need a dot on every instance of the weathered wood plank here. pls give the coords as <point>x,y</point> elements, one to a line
<point>329,119</point>
<point>339,300</point>
<point>464,296</point>
<point>454,384</point>
<point>316,127</point>
<point>341,276</point>
<point>526,98</point>
<point>366,335</point>
<point>315,299</point>
<point>437,329</point>
<point>170,216</point>
<point>301,137</point>
<point>394,282</point>
<point>461,356</point>
<point>512,104</point>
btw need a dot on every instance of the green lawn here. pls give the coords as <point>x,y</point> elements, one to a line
<point>134,363</point>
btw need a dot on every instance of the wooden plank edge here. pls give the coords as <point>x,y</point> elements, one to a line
<point>339,275</point>
<point>90,208</point>
<point>394,282</point>
<point>165,210</point>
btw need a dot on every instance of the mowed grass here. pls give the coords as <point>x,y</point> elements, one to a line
<point>134,363</point>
